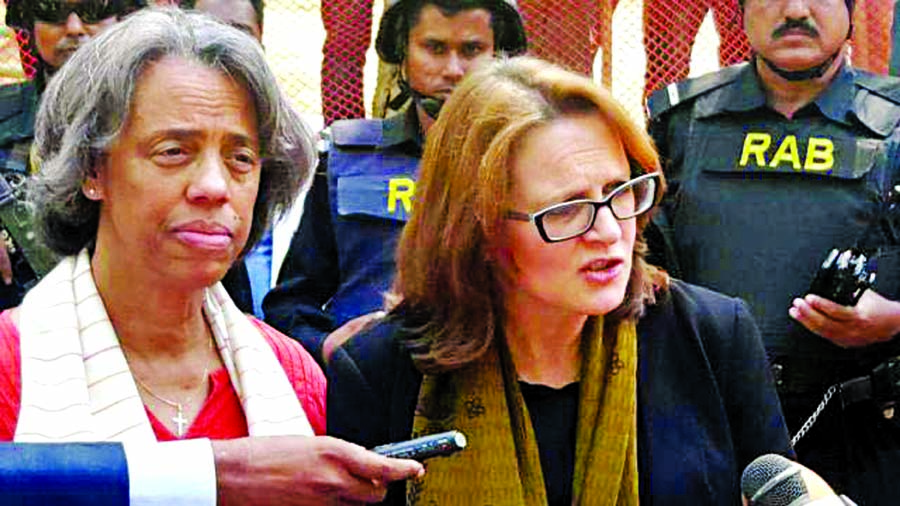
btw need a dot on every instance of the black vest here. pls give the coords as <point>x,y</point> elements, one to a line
<point>759,200</point>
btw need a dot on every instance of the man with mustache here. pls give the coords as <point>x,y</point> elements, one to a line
<point>772,164</point>
<point>49,31</point>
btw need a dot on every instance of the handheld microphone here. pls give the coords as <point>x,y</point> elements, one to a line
<point>773,480</point>
<point>435,445</point>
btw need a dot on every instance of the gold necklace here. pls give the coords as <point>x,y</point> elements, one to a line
<point>179,419</point>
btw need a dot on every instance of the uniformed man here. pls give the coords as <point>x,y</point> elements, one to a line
<point>772,164</point>
<point>55,29</point>
<point>341,259</point>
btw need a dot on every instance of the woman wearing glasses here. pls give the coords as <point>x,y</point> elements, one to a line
<point>525,316</point>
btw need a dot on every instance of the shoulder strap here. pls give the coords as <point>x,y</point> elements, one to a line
<point>877,102</point>
<point>370,133</point>
<point>356,132</point>
<point>884,86</point>
<point>675,94</point>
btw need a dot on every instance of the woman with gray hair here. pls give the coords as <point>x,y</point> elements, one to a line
<point>166,149</point>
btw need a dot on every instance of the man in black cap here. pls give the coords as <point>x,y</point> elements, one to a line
<point>341,259</point>
<point>773,164</point>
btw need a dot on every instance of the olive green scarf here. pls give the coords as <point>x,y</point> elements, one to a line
<point>501,466</point>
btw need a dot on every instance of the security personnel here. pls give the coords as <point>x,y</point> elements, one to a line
<point>341,258</point>
<point>55,29</point>
<point>772,164</point>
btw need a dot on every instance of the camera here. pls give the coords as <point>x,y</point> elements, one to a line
<point>843,277</point>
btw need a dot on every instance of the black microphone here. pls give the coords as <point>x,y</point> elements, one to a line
<point>425,447</point>
<point>773,480</point>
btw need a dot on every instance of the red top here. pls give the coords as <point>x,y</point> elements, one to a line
<point>221,416</point>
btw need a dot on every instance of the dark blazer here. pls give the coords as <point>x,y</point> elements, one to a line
<point>706,403</point>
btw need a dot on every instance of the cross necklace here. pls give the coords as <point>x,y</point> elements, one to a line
<point>179,419</point>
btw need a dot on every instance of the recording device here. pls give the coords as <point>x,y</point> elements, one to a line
<point>843,277</point>
<point>435,445</point>
<point>773,480</point>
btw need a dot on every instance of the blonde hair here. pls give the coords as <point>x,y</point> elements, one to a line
<point>447,283</point>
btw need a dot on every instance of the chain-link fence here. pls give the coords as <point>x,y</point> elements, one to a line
<point>322,52</point>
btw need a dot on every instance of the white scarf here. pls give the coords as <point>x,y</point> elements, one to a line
<point>76,384</point>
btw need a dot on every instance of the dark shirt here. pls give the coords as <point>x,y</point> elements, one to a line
<point>554,417</point>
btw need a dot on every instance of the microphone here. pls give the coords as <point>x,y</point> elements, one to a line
<point>425,447</point>
<point>773,480</point>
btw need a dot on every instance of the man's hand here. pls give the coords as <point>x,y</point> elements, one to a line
<point>874,319</point>
<point>343,333</point>
<point>301,470</point>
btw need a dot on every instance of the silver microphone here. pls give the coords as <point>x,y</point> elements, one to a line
<point>773,480</point>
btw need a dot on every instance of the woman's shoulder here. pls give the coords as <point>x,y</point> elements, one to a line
<point>693,309</point>
<point>381,338</point>
<point>696,302</point>
<point>377,352</point>
<point>286,349</point>
<point>700,296</point>
<point>302,371</point>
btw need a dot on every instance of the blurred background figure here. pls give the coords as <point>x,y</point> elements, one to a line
<point>55,28</point>
<point>245,15</point>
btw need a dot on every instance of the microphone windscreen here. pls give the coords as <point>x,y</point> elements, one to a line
<point>773,478</point>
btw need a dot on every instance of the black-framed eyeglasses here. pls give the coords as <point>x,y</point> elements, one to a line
<point>58,11</point>
<point>567,220</point>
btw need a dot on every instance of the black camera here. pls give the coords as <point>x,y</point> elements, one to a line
<point>843,277</point>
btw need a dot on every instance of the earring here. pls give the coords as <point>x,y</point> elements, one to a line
<point>91,192</point>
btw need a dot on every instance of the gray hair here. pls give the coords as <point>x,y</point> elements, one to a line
<point>88,101</point>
